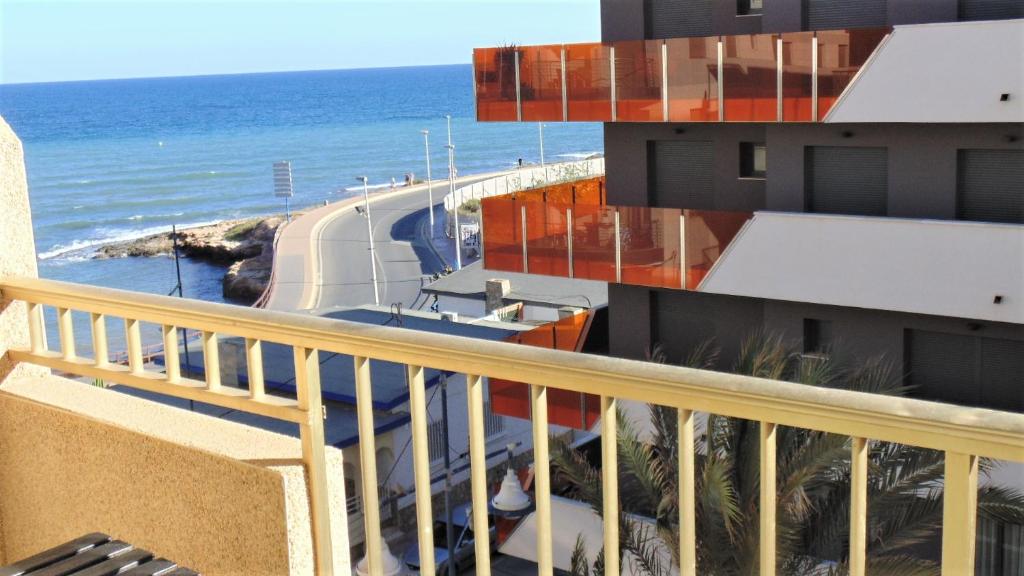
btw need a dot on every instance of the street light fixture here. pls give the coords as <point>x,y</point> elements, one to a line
<point>430,183</point>
<point>456,204</point>
<point>369,230</point>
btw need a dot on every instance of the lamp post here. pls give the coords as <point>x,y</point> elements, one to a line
<point>369,230</point>
<point>430,184</point>
<point>456,204</point>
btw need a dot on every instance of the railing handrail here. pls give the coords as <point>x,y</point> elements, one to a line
<point>978,431</point>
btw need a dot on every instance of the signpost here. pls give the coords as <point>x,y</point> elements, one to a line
<point>283,185</point>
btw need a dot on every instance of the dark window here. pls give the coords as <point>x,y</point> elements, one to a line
<point>680,174</point>
<point>831,14</point>
<point>1000,548</point>
<point>990,185</point>
<point>817,336</point>
<point>753,160</point>
<point>846,180</point>
<point>748,7</point>
<point>966,369</point>
<point>990,9</point>
<point>678,18</point>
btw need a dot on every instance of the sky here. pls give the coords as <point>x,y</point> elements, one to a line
<point>47,41</point>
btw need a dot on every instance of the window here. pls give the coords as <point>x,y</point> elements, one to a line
<point>753,160</point>
<point>990,185</point>
<point>749,7</point>
<point>817,336</point>
<point>846,180</point>
<point>435,440</point>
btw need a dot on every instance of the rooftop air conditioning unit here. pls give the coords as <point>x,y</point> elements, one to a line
<point>450,316</point>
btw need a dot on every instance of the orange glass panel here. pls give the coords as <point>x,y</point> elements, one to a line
<point>588,82</point>
<point>650,246</point>
<point>589,192</point>
<point>559,193</point>
<point>547,241</point>
<point>509,398</point>
<point>593,242</point>
<point>638,81</point>
<point>797,76</point>
<point>707,235</point>
<point>502,244</point>
<point>841,53</point>
<point>495,71</point>
<point>693,79</point>
<point>568,331</point>
<point>540,81</point>
<point>750,78</point>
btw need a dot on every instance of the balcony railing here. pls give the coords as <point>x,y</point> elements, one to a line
<point>658,247</point>
<point>789,77</point>
<point>964,434</point>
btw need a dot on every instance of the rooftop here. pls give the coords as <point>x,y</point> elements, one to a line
<point>527,288</point>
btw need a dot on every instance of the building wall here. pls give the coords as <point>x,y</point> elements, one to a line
<point>632,19</point>
<point>922,161</point>
<point>216,496</point>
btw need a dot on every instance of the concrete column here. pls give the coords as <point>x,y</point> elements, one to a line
<point>495,291</point>
<point>17,246</point>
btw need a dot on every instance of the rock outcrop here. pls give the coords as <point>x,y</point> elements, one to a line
<point>245,246</point>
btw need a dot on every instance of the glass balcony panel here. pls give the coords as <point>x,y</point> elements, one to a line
<point>750,82</point>
<point>559,193</point>
<point>841,53</point>
<point>797,76</point>
<point>693,79</point>
<point>540,81</point>
<point>503,248</point>
<point>589,192</point>
<point>588,82</point>
<point>707,235</point>
<point>547,241</point>
<point>638,77</point>
<point>593,242</point>
<point>495,70</point>
<point>650,246</point>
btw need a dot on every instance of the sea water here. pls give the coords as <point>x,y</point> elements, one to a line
<point>113,160</point>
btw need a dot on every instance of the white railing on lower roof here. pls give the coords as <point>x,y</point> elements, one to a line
<point>964,434</point>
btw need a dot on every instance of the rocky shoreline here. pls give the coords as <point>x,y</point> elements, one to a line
<point>245,246</point>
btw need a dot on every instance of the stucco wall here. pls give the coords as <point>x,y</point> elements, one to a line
<point>216,496</point>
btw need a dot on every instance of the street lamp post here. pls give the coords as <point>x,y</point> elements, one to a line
<point>369,230</point>
<point>430,184</point>
<point>451,192</point>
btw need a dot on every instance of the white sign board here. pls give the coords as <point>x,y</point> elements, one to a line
<point>283,179</point>
<point>470,235</point>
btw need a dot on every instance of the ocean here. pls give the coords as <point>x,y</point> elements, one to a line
<point>113,160</point>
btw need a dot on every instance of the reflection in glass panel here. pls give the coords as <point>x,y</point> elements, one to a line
<point>588,82</point>
<point>797,76</point>
<point>593,242</point>
<point>841,53</point>
<point>750,80</point>
<point>547,241</point>
<point>638,77</point>
<point>503,248</point>
<point>693,79</point>
<point>495,71</point>
<point>540,79</point>
<point>650,246</point>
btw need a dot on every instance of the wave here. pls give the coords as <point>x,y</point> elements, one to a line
<point>359,188</point>
<point>580,155</point>
<point>77,248</point>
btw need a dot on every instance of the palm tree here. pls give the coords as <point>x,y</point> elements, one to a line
<point>813,478</point>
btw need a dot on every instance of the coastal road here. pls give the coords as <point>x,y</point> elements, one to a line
<point>403,256</point>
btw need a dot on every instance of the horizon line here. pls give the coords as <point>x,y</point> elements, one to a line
<point>248,73</point>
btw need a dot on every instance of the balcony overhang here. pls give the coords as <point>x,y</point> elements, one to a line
<point>950,72</point>
<point>958,269</point>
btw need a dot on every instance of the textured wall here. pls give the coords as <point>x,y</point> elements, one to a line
<point>17,245</point>
<point>216,496</point>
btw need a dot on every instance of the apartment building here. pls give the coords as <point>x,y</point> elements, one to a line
<point>848,174</point>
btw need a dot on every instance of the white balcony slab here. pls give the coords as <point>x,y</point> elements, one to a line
<point>943,268</point>
<point>948,72</point>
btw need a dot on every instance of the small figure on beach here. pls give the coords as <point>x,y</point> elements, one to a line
<point>520,162</point>
<point>392,182</point>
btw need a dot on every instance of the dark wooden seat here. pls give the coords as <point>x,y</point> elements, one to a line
<point>95,555</point>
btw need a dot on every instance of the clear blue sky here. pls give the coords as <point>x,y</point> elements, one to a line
<point>44,41</point>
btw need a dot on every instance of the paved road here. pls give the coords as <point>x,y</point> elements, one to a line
<point>400,225</point>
